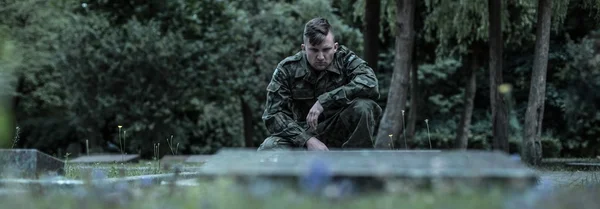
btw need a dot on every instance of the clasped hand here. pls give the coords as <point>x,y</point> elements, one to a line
<point>313,115</point>
<point>312,119</point>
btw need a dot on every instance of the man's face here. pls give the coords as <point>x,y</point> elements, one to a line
<point>320,56</point>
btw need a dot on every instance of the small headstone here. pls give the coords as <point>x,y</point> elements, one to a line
<point>29,163</point>
<point>173,159</point>
<point>585,165</point>
<point>198,158</point>
<point>107,158</point>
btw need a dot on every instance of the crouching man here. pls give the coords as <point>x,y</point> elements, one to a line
<point>322,97</point>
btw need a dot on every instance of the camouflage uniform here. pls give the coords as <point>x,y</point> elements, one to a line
<point>346,90</point>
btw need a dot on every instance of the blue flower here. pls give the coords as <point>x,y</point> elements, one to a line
<point>515,157</point>
<point>261,188</point>
<point>98,174</point>
<point>317,177</point>
<point>145,182</point>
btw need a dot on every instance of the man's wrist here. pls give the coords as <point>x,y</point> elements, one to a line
<point>301,139</point>
<point>324,100</point>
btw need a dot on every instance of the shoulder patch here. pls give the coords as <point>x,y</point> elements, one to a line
<point>349,59</point>
<point>294,58</point>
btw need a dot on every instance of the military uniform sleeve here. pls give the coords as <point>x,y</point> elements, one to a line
<point>278,116</point>
<point>363,84</point>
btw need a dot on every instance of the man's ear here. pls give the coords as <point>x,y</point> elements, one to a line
<point>335,47</point>
<point>302,47</point>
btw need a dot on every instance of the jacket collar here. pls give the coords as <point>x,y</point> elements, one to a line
<point>309,73</point>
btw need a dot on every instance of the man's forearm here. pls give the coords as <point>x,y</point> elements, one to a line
<point>364,85</point>
<point>283,126</point>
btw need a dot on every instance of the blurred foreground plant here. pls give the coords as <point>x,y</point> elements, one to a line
<point>7,63</point>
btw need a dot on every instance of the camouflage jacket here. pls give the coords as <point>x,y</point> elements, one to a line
<point>295,87</point>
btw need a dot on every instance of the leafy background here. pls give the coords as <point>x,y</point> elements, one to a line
<point>73,71</point>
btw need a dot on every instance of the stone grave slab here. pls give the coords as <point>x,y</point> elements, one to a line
<point>61,183</point>
<point>29,163</point>
<point>174,159</point>
<point>374,166</point>
<point>107,158</point>
<point>584,165</point>
<point>198,158</point>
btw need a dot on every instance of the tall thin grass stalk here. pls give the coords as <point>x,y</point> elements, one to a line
<point>170,143</point>
<point>428,135</point>
<point>156,155</point>
<point>16,139</point>
<point>87,147</point>
<point>121,144</point>
<point>124,144</point>
<point>404,130</point>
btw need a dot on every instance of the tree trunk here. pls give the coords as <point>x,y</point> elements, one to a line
<point>414,102</point>
<point>462,134</point>
<point>497,100</point>
<point>532,146</point>
<point>248,125</point>
<point>371,32</point>
<point>391,122</point>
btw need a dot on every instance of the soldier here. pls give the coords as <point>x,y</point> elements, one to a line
<point>322,97</point>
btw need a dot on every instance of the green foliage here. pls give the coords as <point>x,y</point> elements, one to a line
<point>218,127</point>
<point>387,15</point>
<point>6,67</point>
<point>5,127</point>
<point>441,70</point>
<point>459,21</point>
<point>8,63</point>
<point>442,97</point>
<point>157,68</point>
<point>35,29</point>
<point>442,136</point>
<point>576,94</point>
<point>184,67</point>
<point>35,88</point>
<point>266,35</point>
<point>551,146</point>
<point>582,72</point>
<point>458,24</point>
<point>560,10</point>
<point>149,81</point>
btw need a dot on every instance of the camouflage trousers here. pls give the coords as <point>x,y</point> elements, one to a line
<point>352,126</point>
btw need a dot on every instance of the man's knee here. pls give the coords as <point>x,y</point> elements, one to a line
<point>365,106</point>
<point>272,143</point>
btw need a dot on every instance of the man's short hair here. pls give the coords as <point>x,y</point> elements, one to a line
<point>316,30</point>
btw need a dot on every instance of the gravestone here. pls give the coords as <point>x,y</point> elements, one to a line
<point>29,163</point>
<point>573,163</point>
<point>198,158</point>
<point>593,166</point>
<point>379,168</point>
<point>173,159</point>
<point>184,159</point>
<point>107,158</point>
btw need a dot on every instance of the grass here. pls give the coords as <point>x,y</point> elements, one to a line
<point>224,193</point>
<point>115,170</point>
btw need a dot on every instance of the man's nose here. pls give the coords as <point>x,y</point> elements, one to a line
<point>320,56</point>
